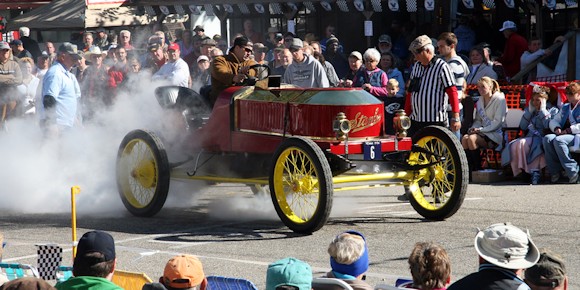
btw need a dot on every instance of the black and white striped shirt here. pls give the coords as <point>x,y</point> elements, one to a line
<point>430,102</point>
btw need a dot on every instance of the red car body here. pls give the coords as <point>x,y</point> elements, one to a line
<point>251,120</point>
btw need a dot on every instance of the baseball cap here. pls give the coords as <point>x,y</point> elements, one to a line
<point>100,29</point>
<point>296,43</point>
<point>183,271</point>
<point>202,57</point>
<point>44,54</point>
<point>384,39</point>
<point>153,46</point>
<point>16,42</point>
<point>173,46</point>
<point>419,42</point>
<point>69,48</point>
<point>4,45</point>
<point>96,242</point>
<point>548,272</point>
<point>356,54</point>
<point>506,246</point>
<point>331,39</point>
<point>289,272</point>
<point>508,25</point>
<point>198,28</point>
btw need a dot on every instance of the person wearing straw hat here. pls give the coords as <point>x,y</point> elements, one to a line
<point>94,83</point>
<point>505,251</point>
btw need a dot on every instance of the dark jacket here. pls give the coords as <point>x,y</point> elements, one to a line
<point>490,277</point>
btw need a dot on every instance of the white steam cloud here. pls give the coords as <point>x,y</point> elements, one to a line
<point>37,173</point>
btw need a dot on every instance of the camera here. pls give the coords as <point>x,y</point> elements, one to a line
<point>415,85</point>
<point>279,37</point>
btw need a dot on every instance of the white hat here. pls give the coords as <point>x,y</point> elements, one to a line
<point>506,246</point>
<point>94,50</point>
<point>508,25</point>
<point>202,57</point>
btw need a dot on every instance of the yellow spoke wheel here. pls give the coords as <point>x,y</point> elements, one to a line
<point>142,173</point>
<point>301,185</point>
<point>441,191</point>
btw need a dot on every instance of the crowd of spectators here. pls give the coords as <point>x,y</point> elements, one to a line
<point>508,259</point>
<point>431,75</point>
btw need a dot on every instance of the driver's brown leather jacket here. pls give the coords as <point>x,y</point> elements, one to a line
<point>223,70</point>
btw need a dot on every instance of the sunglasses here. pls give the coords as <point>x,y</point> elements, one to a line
<point>248,50</point>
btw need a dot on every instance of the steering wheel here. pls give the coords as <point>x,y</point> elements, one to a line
<point>262,72</point>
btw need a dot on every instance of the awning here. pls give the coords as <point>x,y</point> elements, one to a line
<point>246,7</point>
<point>22,4</point>
<point>75,14</point>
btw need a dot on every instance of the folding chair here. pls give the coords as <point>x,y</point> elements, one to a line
<point>130,280</point>
<point>63,273</point>
<point>387,287</point>
<point>15,271</point>
<point>512,129</point>
<point>227,283</point>
<point>329,283</point>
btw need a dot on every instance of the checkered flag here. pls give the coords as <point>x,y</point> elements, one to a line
<point>49,258</point>
<point>489,3</point>
<point>411,5</point>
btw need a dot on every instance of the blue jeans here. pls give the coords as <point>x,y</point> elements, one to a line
<point>557,154</point>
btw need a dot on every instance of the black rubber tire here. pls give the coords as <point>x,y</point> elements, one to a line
<point>448,191</point>
<point>148,172</point>
<point>313,158</point>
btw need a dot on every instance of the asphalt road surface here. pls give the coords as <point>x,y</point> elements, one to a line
<point>236,234</point>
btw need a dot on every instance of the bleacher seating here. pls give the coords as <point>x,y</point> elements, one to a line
<point>329,283</point>
<point>226,283</point>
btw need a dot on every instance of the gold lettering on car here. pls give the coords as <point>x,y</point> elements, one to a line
<point>361,121</point>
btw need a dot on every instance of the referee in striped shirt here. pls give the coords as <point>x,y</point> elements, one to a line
<point>430,79</point>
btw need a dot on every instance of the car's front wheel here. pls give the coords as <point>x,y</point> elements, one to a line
<point>142,173</point>
<point>301,185</point>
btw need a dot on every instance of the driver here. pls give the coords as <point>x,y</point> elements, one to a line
<point>231,69</point>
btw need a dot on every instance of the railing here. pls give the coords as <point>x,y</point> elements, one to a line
<point>571,55</point>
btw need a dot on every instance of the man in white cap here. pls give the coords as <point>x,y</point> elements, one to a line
<point>505,251</point>
<point>304,71</point>
<point>515,46</point>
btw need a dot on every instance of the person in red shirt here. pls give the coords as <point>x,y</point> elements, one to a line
<point>514,47</point>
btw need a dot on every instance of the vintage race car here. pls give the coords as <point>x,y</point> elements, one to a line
<point>300,145</point>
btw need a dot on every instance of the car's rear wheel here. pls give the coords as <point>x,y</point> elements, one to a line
<point>441,192</point>
<point>301,185</point>
<point>142,173</point>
